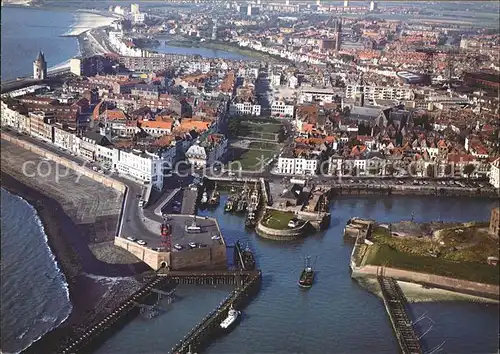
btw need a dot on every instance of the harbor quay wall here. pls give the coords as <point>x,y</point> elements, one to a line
<point>415,190</point>
<point>109,182</point>
<point>210,257</point>
<point>281,235</point>
<point>438,281</point>
<point>152,258</point>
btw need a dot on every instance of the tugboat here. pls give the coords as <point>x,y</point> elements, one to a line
<point>231,319</point>
<point>250,221</point>
<point>248,259</point>
<point>204,198</point>
<point>229,206</point>
<point>307,276</point>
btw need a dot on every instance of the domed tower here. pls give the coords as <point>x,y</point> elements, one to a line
<point>40,67</point>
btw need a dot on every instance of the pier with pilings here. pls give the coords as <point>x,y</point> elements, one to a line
<point>91,337</point>
<point>247,285</point>
<point>395,301</point>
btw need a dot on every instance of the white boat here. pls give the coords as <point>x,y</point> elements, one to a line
<point>204,198</point>
<point>232,317</point>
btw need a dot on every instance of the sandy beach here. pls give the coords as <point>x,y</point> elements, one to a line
<point>85,21</point>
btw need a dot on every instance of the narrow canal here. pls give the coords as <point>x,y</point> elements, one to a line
<point>337,315</point>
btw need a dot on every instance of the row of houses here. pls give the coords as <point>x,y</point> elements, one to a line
<point>375,164</point>
<point>146,165</point>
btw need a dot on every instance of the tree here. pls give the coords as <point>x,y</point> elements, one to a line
<point>468,169</point>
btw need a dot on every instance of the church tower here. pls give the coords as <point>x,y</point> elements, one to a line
<point>40,67</point>
<point>338,34</point>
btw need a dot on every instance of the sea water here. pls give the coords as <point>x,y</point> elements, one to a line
<point>26,31</point>
<point>35,295</point>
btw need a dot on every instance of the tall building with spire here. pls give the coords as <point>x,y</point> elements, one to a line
<point>338,34</point>
<point>40,67</point>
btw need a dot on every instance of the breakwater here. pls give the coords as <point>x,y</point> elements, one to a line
<point>394,301</point>
<point>89,338</point>
<point>247,286</point>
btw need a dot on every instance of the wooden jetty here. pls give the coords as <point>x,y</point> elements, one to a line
<point>394,301</point>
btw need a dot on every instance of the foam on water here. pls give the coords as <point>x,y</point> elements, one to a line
<point>45,292</point>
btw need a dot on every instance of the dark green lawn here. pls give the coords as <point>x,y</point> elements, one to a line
<point>384,255</point>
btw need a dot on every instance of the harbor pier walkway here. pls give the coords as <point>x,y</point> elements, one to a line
<point>394,301</point>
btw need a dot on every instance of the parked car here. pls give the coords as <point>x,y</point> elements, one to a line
<point>141,242</point>
<point>178,247</point>
<point>215,237</point>
<point>192,244</point>
<point>133,239</point>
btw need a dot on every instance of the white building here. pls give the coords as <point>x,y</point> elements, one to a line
<point>495,173</point>
<point>244,108</point>
<point>335,166</point>
<point>65,138</point>
<point>119,10</point>
<point>123,129</point>
<point>139,17</point>
<point>291,165</point>
<point>146,166</point>
<point>275,79</point>
<point>13,119</point>
<point>107,156</point>
<point>282,109</point>
<point>134,8</point>
<point>310,94</point>
<point>123,46</point>
<point>293,82</point>
<point>208,152</point>
<point>372,93</point>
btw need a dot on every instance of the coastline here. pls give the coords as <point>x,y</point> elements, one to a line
<point>85,292</point>
<point>85,21</point>
<point>417,293</point>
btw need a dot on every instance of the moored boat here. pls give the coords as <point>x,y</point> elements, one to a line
<point>306,279</point>
<point>232,318</point>
<point>250,221</point>
<point>214,199</point>
<point>204,198</point>
<point>248,258</point>
<point>228,207</point>
<point>242,206</point>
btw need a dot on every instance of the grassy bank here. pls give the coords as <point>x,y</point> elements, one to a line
<point>384,255</point>
<point>249,159</point>
<point>278,220</point>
